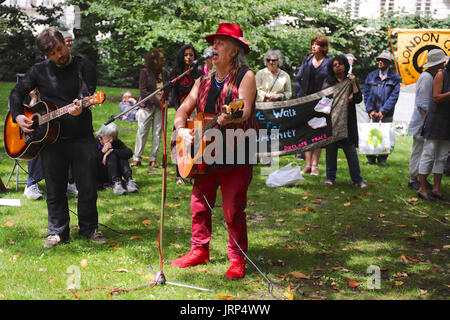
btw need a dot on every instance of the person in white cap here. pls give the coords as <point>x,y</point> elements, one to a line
<point>436,129</point>
<point>423,101</point>
<point>381,91</point>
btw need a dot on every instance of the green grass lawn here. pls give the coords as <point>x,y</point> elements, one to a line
<point>313,242</point>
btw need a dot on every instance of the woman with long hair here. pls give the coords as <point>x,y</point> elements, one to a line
<point>229,79</point>
<point>186,55</point>
<point>338,69</point>
<point>151,78</point>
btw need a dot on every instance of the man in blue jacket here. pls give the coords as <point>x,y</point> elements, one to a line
<point>381,91</point>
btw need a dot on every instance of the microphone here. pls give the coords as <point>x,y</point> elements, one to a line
<point>202,58</point>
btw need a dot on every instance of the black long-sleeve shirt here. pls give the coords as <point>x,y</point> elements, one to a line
<point>119,148</point>
<point>59,86</point>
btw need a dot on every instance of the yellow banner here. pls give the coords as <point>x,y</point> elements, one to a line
<point>412,49</point>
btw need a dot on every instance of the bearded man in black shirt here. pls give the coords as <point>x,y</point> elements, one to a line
<point>63,79</point>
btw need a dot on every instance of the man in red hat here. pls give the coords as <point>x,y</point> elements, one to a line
<point>229,79</point>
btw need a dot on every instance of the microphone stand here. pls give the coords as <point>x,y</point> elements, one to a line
<point>160,279</point>
<point>170,83</point>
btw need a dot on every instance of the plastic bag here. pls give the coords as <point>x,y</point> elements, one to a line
<point>376,138</point>
<point>289,175</point>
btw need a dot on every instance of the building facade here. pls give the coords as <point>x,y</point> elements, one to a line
<point>439,9</point>
<point>71,14</point>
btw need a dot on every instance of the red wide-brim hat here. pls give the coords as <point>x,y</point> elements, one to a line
<point>230,30</point>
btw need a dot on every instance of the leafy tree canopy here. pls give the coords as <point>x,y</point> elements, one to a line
<point>117,34</point>
<point>131,28</point>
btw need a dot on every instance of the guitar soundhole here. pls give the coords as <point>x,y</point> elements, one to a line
<point>35,121</point>
<point>192,149</point>
<point>38,133</point>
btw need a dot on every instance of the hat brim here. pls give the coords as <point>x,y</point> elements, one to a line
<point>432,64</point>
<point>244,44</point>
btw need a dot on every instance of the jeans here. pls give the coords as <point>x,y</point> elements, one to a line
<point>35,173</point>
<point>352,160</point>
<point>81,154</point>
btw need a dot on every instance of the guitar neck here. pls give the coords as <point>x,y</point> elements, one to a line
<point>58,112</point>
<point>210,124</point>
<point>213,122</point>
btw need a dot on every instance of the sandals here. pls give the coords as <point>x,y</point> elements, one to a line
<point>135,163</point>
<point>154,164</point>
<point>439,196</point>
<point>307,169</point>
<point>314,170</point>
<point>425,196</point>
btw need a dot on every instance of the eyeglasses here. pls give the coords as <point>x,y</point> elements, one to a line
<point>271,60</point>
<point>337,64</point>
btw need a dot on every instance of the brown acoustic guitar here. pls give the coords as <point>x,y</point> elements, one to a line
<point>26,146</point>
<point>188,155</point>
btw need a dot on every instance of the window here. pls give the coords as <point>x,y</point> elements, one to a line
<point>356,10</point>
<point>418,5</point>
<point>427,6</point>
<point>348,7</point>
<point>382,6</point>
<point>391,5</point>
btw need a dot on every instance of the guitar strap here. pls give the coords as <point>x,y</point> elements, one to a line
<point>230,86</point>
<point>270,90</point>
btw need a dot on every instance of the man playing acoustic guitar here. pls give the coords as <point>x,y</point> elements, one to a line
<point>230,79</point>
<point>62,80</point>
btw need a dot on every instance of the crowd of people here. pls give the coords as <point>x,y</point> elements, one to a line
<point>63,78</point>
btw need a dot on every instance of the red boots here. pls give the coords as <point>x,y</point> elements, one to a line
<point>201,256</point>
<point>195,257</point>
<point>237,269</point>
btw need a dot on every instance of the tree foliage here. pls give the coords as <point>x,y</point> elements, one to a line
<point>117,34</point>
<point>131,28</point>
<point>17,49</point>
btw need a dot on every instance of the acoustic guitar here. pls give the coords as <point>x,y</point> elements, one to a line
<point>26,146</point>
<point>188,155</point>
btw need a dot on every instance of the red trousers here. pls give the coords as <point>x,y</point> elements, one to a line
<point>234,182</point>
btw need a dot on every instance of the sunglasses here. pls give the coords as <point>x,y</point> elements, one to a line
<point>271,60</point>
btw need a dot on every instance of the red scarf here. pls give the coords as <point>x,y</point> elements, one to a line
<point>205,84</point>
